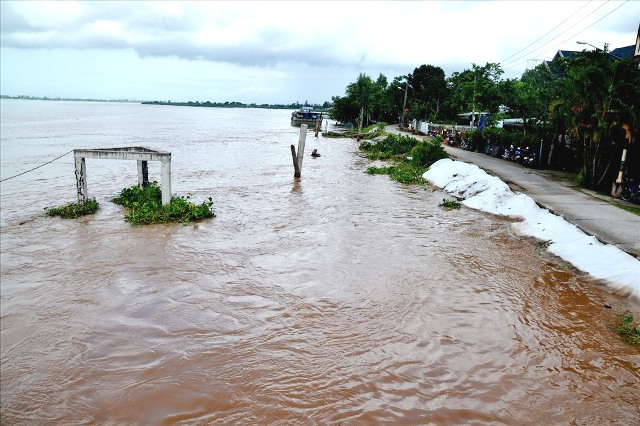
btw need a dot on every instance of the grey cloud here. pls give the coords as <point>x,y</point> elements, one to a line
<point>164,35</point>
<point>10,21</point>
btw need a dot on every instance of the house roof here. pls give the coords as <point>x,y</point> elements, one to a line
<point>565,54</point>
<point>623,52</point>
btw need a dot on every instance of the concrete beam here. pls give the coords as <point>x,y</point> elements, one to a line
<point>140,154</point>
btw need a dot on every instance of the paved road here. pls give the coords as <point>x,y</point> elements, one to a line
<point>594,214</point>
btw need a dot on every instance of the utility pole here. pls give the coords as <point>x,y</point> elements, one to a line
<point>404,105</point>
<point>473,103</point>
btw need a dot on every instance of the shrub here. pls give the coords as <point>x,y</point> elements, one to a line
<point>426,153</point>
<point>388,147</point>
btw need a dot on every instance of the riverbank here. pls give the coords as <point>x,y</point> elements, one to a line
<point>596,215</point>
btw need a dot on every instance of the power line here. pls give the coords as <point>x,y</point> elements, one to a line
<point>37,167</point>
<point>552,30</point>
<point>580,21</point>
<point>571,37</point>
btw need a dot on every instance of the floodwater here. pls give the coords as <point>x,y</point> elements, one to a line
<point>336,299</point>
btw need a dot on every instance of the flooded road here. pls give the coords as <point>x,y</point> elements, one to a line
<point>338,298</point>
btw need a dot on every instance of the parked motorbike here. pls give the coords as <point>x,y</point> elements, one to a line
<point>509,153</point>
<point>631,190</point>
<point>529,158</point>
<point>517,155</point>
<point>464,144</point>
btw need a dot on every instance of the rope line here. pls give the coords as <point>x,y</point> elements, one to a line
<point>37,167</point>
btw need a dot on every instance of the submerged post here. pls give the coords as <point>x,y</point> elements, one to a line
<point>296,169</point>
<point>300,156</point>
<point>81,179</point>
<point>165,171</point>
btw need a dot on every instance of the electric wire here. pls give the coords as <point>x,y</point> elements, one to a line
<point>574,35</point>
<point>37,167</point>
<point>580,21</point>
<point>549,32</point>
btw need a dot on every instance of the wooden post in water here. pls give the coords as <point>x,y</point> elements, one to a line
<point>297,159</point>
<point>296,169</point>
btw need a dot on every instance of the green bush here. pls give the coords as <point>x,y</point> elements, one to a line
<point>74,210</point>
<point>427,152</point>
<point>391,146</point>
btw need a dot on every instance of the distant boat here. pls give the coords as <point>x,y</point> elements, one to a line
<point>306,115</point>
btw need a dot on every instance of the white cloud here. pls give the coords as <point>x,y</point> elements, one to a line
<point>344,38</point>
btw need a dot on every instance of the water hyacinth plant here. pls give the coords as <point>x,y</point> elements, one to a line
<point>74,210</point>
<point>145,206</point>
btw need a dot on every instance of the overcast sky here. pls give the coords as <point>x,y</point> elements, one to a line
<point>281,52</point>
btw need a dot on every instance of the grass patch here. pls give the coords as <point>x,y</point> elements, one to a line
<point>410,156</point>
<point>629,330</point>
<point>406,173</point>
<point>449,204</point>
<point>630,209</point>
<point>145,206</point>
<point>369,132</point>
<point>74,210</point>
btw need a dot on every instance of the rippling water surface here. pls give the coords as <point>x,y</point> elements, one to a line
<point>338,298</point>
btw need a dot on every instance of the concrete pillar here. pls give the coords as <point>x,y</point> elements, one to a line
<point>166,180</point>
<point>81,179</point>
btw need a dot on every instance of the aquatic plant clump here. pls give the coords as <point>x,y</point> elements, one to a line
<point>145,206</point>
<point>407,173</point>
<point>449,204</point>
<point>74,210</point>
<point>629,330</point>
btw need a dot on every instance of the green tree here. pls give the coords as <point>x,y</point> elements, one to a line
<point>476,89</point>
<point>344,109</point>
<point>429,90</point>
<point>603,96</point>
<point>362,92</point>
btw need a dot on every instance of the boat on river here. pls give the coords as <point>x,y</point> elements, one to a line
<point>306,115</point>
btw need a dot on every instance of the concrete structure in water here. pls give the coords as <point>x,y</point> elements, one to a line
<point>140,154</point>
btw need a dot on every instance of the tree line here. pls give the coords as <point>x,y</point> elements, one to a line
<point>235,104</point>
<point>580,112</point>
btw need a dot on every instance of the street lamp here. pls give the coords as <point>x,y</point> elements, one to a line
<point>597,48</point>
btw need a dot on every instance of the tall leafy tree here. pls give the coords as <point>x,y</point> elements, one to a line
<point>604,100</point>
<point>429,89</point>
<point>476,89</point>
<point>363,93</point>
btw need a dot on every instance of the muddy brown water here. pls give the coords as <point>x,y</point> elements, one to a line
<point>340,298</point>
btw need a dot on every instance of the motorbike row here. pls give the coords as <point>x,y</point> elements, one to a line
<point>631,190</point>
<point>526,156</point>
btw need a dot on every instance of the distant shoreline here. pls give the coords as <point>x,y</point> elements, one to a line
<point>45,98</point>
<point>206,104</point>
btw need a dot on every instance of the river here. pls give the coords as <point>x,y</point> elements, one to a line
<point>338,298</point>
